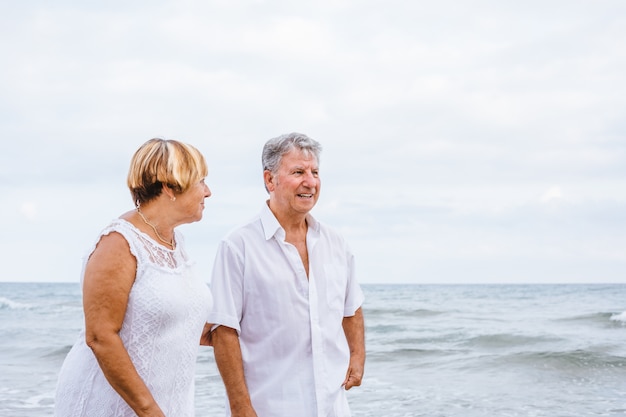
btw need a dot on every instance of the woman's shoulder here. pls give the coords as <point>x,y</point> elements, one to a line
<point>120,225</point>
<point>119,232</point>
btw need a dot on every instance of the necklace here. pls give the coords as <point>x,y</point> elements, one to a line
<point>171,243</point>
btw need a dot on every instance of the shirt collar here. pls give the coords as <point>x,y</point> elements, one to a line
<point>271,226</point>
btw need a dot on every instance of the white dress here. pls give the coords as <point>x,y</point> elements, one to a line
<point>167,309</point>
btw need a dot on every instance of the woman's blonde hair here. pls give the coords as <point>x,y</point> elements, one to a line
<point>161,162</point>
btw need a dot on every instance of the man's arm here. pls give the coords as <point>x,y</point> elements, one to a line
<point>354,328</point>
<point>230,364</point>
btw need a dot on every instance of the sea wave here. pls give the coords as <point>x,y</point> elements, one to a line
<point>507,340</point>
<point>47,308</point>
<point>600,318</point>
<point>415,313</point>
<point>621,317</point>
<point>7,304</point>
<point>57,353</point>
<point>568,359</point>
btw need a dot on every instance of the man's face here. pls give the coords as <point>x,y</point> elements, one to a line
<point>295,188</point>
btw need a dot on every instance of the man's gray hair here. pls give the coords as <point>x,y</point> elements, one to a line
<point>275,148</point>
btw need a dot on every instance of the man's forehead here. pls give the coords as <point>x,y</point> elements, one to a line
<point>297,157</point>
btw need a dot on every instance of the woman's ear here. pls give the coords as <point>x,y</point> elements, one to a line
<point>169,192</point>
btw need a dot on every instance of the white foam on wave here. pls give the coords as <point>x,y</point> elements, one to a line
<point>39,400</point>
<point>12,305</point>
<point>619,317</point>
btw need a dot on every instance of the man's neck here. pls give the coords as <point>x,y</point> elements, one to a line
<point>294,224</point>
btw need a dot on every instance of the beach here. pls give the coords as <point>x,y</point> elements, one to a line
<point>433,350</point>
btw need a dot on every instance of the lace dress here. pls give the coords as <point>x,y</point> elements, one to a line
<point>167,310</point>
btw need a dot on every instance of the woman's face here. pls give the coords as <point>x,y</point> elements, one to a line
<point>191,202</point>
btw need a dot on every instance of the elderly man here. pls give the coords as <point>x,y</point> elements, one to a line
<point>289,339</point>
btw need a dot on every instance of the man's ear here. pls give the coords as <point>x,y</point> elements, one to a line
<point>268,178</point>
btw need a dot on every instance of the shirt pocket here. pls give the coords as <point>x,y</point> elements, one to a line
<point>336,280</point>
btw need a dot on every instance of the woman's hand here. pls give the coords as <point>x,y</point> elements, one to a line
<point>206,339</point>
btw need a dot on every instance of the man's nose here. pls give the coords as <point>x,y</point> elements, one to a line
<point>309,179</point>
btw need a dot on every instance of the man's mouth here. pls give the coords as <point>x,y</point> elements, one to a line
<point>305,195</point>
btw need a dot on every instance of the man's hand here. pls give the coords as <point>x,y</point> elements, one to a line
<point>354,376</point>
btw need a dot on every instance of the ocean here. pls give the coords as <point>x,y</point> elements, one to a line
<point>433,350</point>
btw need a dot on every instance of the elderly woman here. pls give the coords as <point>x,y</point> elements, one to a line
<point>145,312</point>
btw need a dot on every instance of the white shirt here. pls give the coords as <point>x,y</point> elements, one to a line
<point>294,349</point>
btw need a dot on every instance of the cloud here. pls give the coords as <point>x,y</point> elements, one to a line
<point>29,210</point>
<point>479,141</point>
<point>552,194</point>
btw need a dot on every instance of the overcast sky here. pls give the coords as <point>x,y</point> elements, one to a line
<point>464,141</point>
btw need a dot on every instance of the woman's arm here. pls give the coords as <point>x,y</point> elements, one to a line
<point>109,276</point>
